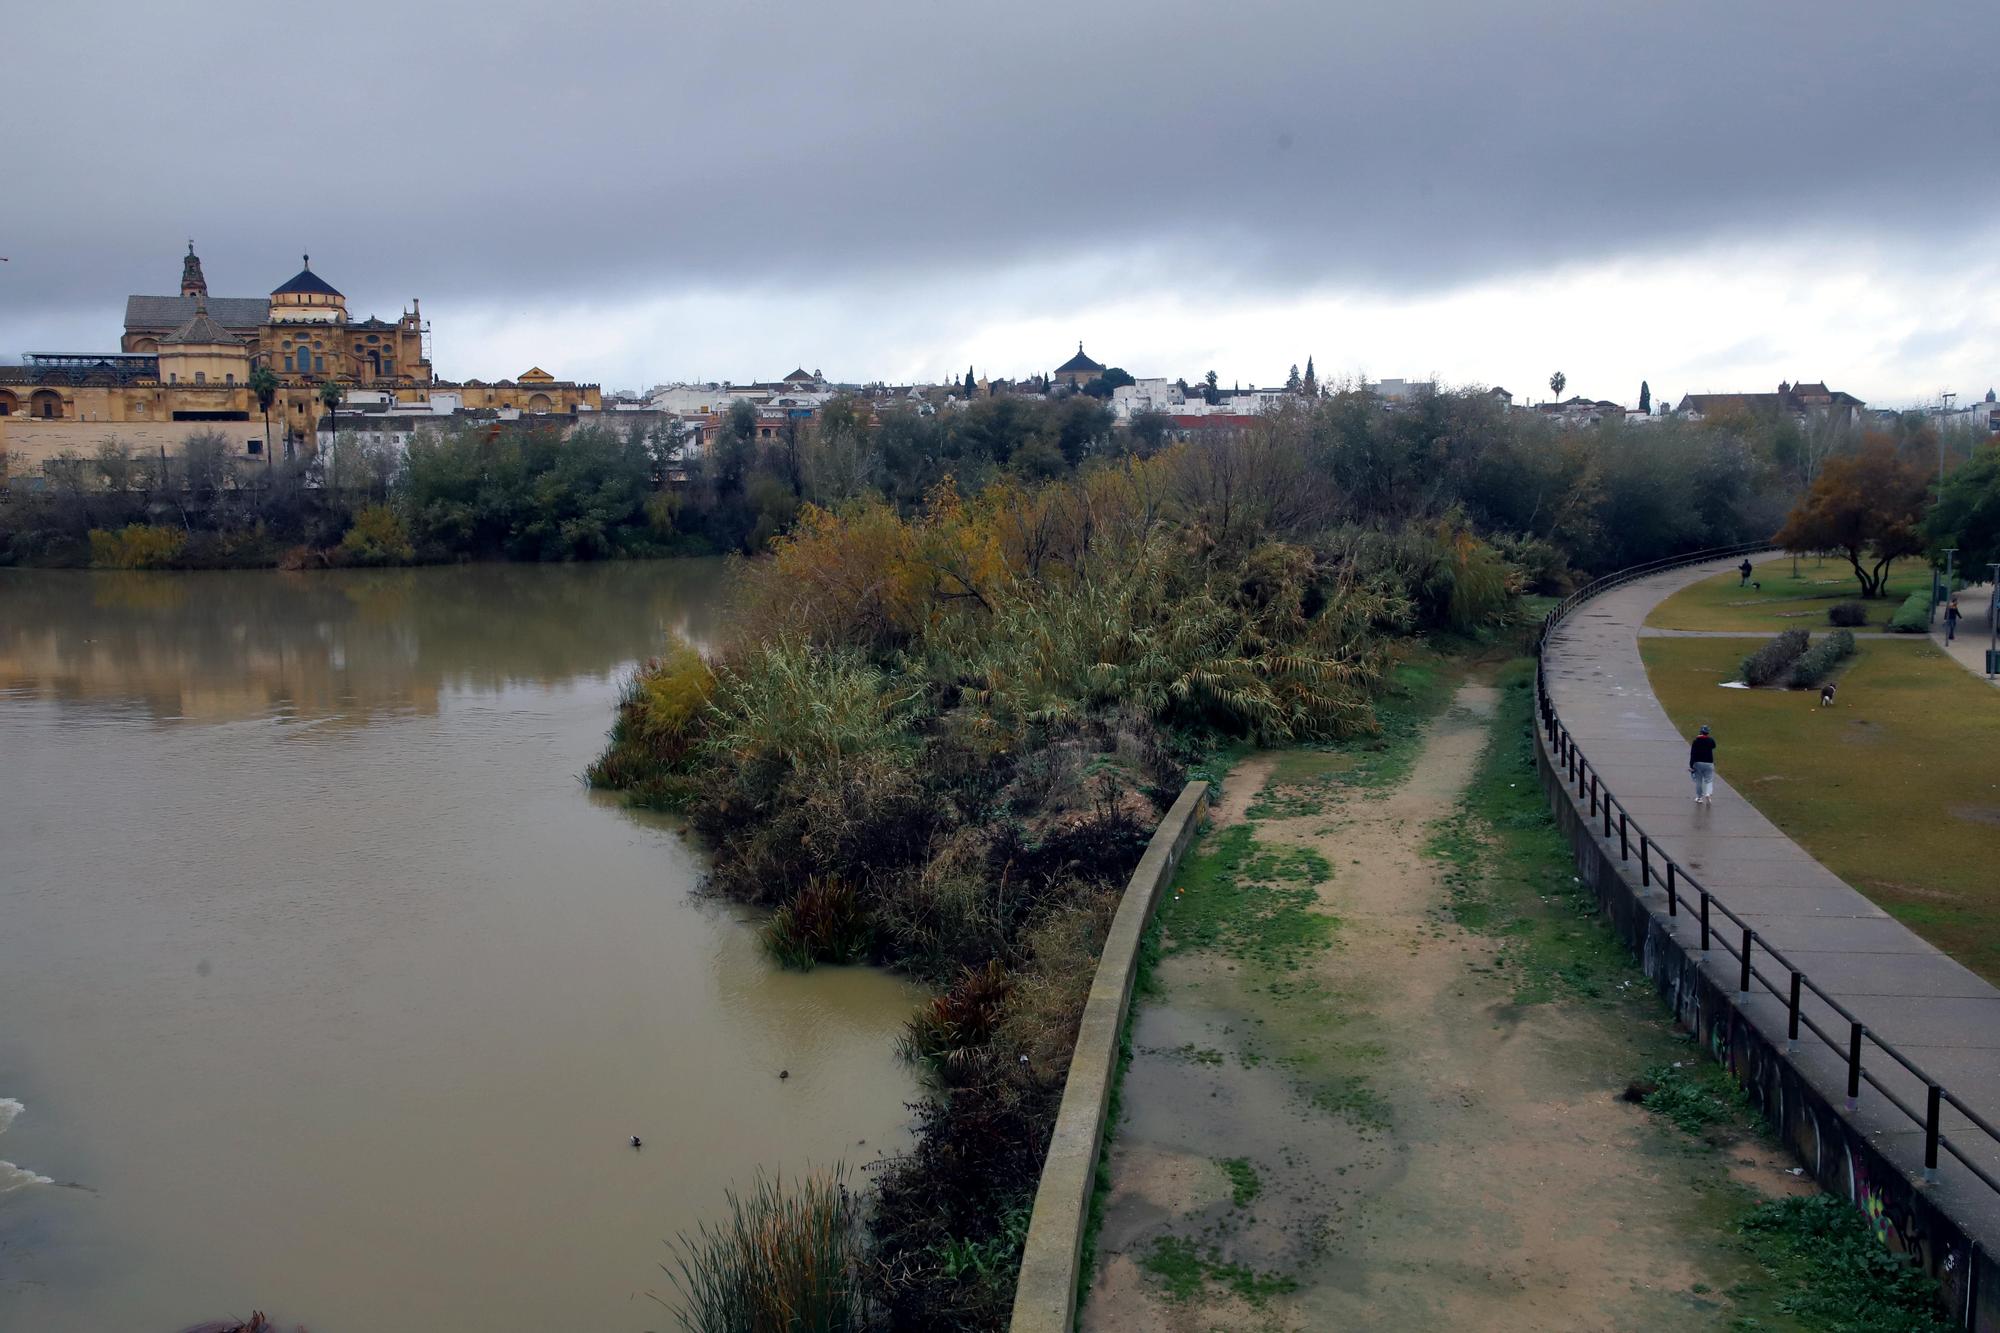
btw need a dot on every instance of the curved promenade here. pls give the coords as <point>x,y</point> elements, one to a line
<point>1940,1015</point>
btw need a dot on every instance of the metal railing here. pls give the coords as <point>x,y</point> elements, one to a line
<point>1738,940</point>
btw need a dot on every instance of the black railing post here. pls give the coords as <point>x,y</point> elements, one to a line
<point>1704,920</point>
<point>1593,795</point>
<point>1607,814</point>
<point>1645,865</point>
<point>1792,1014</point>
<point>1743,978</point>
<point>1933,1109</point>
<point>1673,899</point>
<point>1624,841</point>
<point>1853,1065</point>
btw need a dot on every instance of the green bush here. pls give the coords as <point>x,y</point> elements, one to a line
<point>1816,662</point>
<point>378,537</point>
<point>1848,614</point>
<point>823,923</point>
<point>137,546</point>
<point>1770,663</point>
<point>1914,615</point>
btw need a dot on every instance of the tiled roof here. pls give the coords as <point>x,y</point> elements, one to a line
<point>160,313</point>
<point>1078,364</point>
<point>203,330</point>
<point>306,283</point>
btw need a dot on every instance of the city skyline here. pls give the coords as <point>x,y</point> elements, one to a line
<point>1447,190</point>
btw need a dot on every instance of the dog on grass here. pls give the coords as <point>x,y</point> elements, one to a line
<point>1826,695</point>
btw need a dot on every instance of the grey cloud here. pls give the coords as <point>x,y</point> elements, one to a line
<point>595,150</point>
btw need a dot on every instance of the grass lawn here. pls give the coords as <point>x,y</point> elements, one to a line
<point>1784,601</point>
<point>1896,790</point>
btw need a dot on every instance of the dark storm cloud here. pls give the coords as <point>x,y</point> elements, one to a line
<point>596,150</point>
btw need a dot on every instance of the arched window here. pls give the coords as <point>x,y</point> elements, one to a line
<point>201,377</point>
<point>45,403</point>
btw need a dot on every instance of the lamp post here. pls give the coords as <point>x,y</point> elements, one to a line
<point>1950,558</point>
<point>1942,416</point>
<point>1992,619</point>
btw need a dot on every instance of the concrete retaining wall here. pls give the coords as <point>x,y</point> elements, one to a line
<point>1045,1297</point>
<point>1867,1158</point>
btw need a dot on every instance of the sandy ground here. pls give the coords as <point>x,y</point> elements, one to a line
<point>1430,1154</point>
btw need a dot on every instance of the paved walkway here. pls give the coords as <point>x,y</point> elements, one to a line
<point>1975,629</point>
<point>1935,1011</point>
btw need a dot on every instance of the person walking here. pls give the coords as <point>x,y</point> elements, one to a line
<point>1743,570</point>
<point>1701,767</point>
<point>1951,615</point>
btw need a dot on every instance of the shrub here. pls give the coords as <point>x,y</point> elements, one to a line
<point>137,546</point>
<point>782,1259</point>
<point>1848,614</point>
<point>823,923</point>
<point>657,725</point>
<point>1816,662</point>
<point>955,1024</point>
<point>1914,615</point>
<point>1770,663</point>
<point>378,537</point>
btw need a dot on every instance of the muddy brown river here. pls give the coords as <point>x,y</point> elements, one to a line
<point>327,989</point>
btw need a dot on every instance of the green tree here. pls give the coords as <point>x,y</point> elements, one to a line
<point>1557,383</point>
<point>1868,506</point>
<point>264,383</point>
<point>970,383</point>
<point>741,421</point>
<point>1967,514</point>
<point>1293,383</point>
<point>329,394</point>
<point>1209,392</point>
<point>1645,398</point>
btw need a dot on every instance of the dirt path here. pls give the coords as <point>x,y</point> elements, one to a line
<point>1371,1131</point>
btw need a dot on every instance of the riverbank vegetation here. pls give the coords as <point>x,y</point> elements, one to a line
<point>942,725</point>
<point>1590,497</point>
<point>941,741</point>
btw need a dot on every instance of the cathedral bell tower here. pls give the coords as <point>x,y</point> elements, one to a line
<point>192,283</point>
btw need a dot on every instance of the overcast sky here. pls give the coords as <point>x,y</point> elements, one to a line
<point>1709,194</point>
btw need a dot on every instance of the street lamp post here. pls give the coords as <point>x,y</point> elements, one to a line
<point>1993,617</point>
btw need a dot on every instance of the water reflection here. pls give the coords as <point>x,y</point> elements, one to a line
<point>336,645</point>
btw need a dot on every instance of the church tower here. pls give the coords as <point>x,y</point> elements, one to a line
<point>192,283</point>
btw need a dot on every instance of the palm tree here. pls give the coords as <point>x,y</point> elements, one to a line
<point>264,383</point>
<point>1557,382</point>
<point>329,393</point>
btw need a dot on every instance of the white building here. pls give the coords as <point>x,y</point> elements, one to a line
<point>1156,395</point>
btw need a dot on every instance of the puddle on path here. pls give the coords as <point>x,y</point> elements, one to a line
<point>1383,1138</point>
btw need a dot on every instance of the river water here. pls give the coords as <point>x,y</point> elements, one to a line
<point>326,988</point>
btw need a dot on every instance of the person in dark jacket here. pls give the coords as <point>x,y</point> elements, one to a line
<point>1701,767</point>
<point>1744,570</point>
<point>1951,617</point>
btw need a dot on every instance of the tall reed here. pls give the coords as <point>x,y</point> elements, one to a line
<point>784,1260</point>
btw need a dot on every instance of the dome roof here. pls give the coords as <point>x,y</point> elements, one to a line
<point>306,283</point>
<point>1078,364</point>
